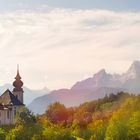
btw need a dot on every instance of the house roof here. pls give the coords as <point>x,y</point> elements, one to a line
<point>7,98</point>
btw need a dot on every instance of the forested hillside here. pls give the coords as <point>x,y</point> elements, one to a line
<point>114,117</point>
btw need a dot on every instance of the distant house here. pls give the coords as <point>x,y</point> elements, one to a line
<point>10,102</point>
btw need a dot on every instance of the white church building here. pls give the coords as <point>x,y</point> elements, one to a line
<point>10,102</point>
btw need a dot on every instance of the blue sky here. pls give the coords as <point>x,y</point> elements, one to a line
<point>101,4</point>
<point>76,4</point>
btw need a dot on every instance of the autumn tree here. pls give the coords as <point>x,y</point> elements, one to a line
<point>57,113</point>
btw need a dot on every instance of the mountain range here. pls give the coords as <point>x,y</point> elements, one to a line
<point>29,94</point>
<point>101,84</point>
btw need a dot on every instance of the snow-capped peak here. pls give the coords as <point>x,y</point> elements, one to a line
<point>134,70</point>
<point>101,73</point>
<point>135,66</point>
<point>132,73</point>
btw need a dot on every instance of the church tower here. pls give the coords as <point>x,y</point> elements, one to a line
<point>18,90</point>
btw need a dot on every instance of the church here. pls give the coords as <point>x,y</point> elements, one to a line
<point>11,101</point>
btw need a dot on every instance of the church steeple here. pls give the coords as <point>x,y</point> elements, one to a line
<point>18,83</point>
<point>18,90</point>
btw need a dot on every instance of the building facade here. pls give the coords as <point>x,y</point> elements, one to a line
<point>10,102</point>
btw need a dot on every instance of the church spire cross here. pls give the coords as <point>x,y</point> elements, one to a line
<point>18,75</point>
<point>17,68</point>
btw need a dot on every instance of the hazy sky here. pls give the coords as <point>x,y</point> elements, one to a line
<point>58,42</point>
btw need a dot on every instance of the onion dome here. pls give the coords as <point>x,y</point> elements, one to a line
<point>18,83</point>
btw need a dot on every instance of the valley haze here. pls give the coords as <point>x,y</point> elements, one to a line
<point>101,84</point>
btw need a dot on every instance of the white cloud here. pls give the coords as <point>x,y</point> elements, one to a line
<point>65,45</point>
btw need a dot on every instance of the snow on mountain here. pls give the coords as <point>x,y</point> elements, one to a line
<point>133,72</point>
<point>100,79</point>
<point>95,87</point>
